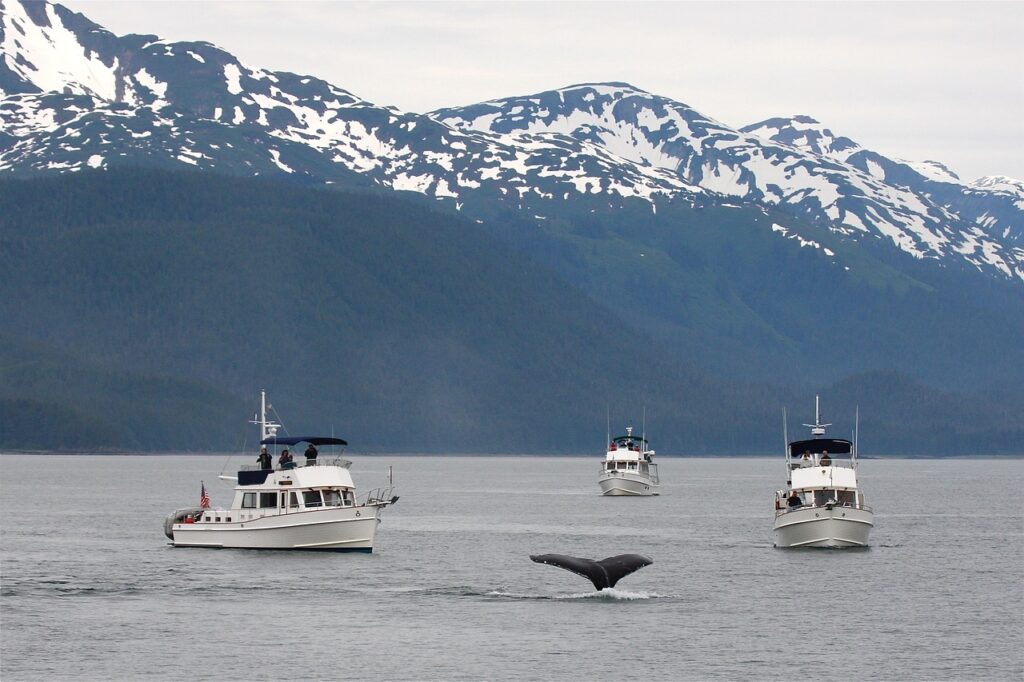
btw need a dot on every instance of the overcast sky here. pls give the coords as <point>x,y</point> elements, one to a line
<point>922,80</point>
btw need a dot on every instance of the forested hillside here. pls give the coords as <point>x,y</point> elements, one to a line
<point>145,309</point>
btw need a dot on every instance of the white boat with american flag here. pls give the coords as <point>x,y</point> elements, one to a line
<point>310,506</point>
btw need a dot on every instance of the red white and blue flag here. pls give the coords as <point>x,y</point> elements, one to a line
<point>204,497</point>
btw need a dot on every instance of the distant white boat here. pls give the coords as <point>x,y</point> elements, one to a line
<point>822,505</point>
<point>309,506</point>
<point>628,467</point>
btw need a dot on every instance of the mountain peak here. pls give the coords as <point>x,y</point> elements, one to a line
<point>1001,183</point>
<point>49,48</point>
<point>607,88</point>
<point>803,132</point>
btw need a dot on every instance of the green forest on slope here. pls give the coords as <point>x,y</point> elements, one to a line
<point>145,310</point>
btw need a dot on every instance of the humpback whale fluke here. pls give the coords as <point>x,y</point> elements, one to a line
<point>603,573</point>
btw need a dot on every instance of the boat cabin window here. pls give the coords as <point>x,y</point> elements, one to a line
<point>631,466</point>
<point>847,498</point>
<point>823,497</point>
<point>332,498</point>
<point>350,498</point>
<point>311,498</point>
<point>611,466</point>
<point>248,500</point>
<point>293,499</point>
<point>268,500</point>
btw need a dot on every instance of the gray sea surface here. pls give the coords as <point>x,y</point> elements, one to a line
<point>90,589</point>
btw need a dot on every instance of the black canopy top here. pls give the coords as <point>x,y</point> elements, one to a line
<point>624,439</point>
<point>295,440</point>
<point>833,446</point>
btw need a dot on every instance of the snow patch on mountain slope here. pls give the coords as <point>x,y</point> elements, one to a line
<point>233,77</point>
<point>788,234</point>
<point>933,170</point>
<point>1000,183</point>
<point>275,156</point>
<point>52,58</point>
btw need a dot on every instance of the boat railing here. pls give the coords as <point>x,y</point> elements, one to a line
<point>845,505</point>
<point>815,460</point>
<point>376,496</point>
<point>330,462</point>
<point>318,462</point>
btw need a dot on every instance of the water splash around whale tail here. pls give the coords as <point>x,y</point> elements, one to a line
<point>604,573</point>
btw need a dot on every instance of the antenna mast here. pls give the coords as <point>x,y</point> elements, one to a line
<point>268,428</point>
<point>856,435</point>
<point>608,432</point>
<point>785,434</point>
<point>817,428</point>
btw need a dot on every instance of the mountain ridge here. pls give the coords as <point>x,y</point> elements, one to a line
<point>200,106</point>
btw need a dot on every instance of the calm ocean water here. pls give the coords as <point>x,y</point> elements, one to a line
<point>91,590</point>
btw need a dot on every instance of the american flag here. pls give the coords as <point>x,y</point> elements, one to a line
<point>204,497</point>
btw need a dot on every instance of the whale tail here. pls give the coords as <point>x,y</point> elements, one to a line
<point>603,573</point>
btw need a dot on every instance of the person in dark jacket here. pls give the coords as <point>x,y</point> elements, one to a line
<point>825,460</point>
<point>286,461</point>
<point>311,453</point>
<point>266,462</point>
<point>794,501</point>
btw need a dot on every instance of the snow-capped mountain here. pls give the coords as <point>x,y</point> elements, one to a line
<point>994,203</point>
<point>73,96</point>
<point>800,172</point>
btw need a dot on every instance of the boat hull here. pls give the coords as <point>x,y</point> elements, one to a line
<point>342,529</point>
<point>823,527</point>
<point>626,484</point>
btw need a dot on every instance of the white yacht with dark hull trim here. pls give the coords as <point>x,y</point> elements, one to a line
<point>822,506</point>
<point>312,506</point>
<point>628,467</point>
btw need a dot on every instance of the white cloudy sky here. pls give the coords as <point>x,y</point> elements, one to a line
<point>917,80</point>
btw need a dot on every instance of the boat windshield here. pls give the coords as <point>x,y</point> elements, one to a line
<point>634,443</point>
<point>820,498</point>
<point>821,452</point>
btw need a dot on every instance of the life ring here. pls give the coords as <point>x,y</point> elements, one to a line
<point>358,514</point>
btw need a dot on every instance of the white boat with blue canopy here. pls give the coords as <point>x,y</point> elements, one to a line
<point>307,505</point>
<point>822,505</point>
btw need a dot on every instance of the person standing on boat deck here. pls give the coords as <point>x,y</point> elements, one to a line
<point>311,453</point>
<point>806,460</point>
<point>265,460</point>
<point>825,460</point>
<point>285,461</point>
<point>794,500</point>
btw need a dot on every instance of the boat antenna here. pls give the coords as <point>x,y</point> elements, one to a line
<point>785,434</point>
<point>643,427</point>
<point>856,434</point>
<point>608,435</point>
<point>817,428</point>
<point>268,428</point>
